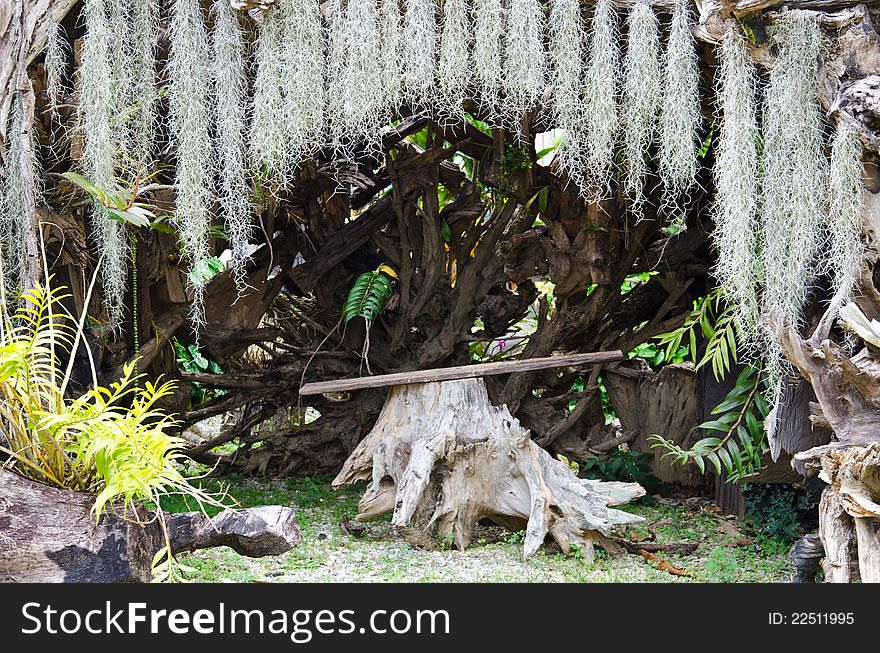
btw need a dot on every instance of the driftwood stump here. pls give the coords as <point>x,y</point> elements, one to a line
<point>849,513</point>
<point>847,391</point>
<point>442,457</point>
<point>49,535</point>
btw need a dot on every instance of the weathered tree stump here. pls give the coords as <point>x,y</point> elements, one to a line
<point>442,457</point>
<point>847,391</point>
<point>849,513</point>
<point>49,535</point>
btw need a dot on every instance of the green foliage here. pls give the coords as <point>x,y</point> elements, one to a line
<point>206,269</point>
<point>739,419</point>
<point>656,356</point>
<point>121,201</point>
<point>111,441</point>
<point>716,321</point>
<point>605,400</point>
<point>622,465</point>
<point>367,299</point>
<point>739,422</point>
<point>167,569</point>
<point>772,510</point>
<point>368,296</point>
<point>190,359</point>
<point>632,281</point>
<point>516,159</point>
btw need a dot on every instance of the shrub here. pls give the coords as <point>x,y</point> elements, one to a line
<point>111,441</point>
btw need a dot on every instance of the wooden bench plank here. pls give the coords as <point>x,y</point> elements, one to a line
<point>460,372</point>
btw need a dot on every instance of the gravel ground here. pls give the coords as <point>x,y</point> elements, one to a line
<point>727,551</point>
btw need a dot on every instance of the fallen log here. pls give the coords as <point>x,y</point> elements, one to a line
<point>49,535</point>
<point>441,457</point>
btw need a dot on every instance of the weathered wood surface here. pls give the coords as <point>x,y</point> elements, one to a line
<point>24,29</point>
<point>847,391</point>
<point>657,403</point>
<point>49,535</point>
<point>849,512</point>
<point>847,387</point>
<point>460,372</point>
<point>441,457</point>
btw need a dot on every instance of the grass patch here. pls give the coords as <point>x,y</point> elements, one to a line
<point>727,552</point>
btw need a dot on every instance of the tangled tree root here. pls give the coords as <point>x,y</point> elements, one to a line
<point>442,457</point>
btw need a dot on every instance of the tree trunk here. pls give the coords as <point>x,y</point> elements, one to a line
<point>658,403</point>
<point>441,457</point>
<point>49,535</point>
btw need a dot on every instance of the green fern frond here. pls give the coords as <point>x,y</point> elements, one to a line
<point>368,296</point>
<point>111,441</point>
<point>716,321</point>
<point>739,421</point>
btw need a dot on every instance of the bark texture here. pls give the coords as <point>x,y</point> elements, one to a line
<point>663,403</point>
<point>441,457</point>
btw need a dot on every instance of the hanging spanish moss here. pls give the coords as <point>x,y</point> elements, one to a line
<point>230,87</point>
<point>525,65</point>
<point>845,248</point>
<point>144,44</point>
<point>737,185</point>
<point>793,171</point>
<point>641,93</point>
<point>390,39</point>
<point>302,79</point>
<point>122,66</point>
<point>334,70</point>
<point>189,102</point>
<point>680,108</point>
<point>419,52</point>
<point>600,91</point>
<point>488,31</point>
<point>12,208</point>
<point>96,121</point>
<point>454,67</point>
<point>55,65</point>
<point>362,101</point>
<point>268,132</point>
<point>567,37</point>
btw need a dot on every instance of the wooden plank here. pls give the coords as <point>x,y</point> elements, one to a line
<point>460,372</point>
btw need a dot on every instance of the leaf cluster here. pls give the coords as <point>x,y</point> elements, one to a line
<point>111,441</point>
<point>739,423</point>
<point>369,295</point>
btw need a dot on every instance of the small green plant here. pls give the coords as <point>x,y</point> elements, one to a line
<point>716,321</point>
<point>516,537</point>
<point>369,294</point>
<point>191,359</point>
<point>622,465</point>
<point>576,553</point>
<point>367,299</point>
<point>772,511</point>
<point>111,441</point>
<point>739,421</point>
<point>656,356</point>
<point>122,200</point>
